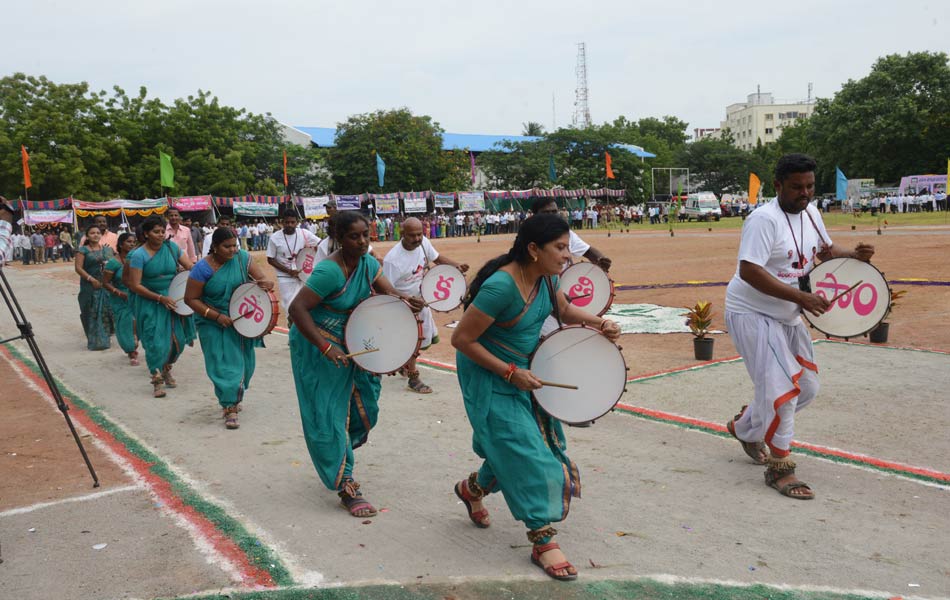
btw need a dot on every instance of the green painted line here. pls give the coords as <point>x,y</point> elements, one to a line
<point>258,553</point>
<point>641,589</point>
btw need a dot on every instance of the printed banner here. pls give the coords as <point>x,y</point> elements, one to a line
<point>387,204</point>
<point>347,202</point>
<point>444,200</point>
<point>189,203</point>
<point>33,217</point>
<point>253,209</point>
<point>315,207</point>
<point>414,205</point>
<point>913,184</point>
<point>471,201</point>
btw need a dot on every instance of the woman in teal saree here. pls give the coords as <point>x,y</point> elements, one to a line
<point>229,356</point>
<point>339,403</point>
<point>523,448</point>
<point>94,310</point>
<point>119,299</point>
<point>163,333</point>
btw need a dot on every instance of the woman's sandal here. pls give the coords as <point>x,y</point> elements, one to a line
<point>776,471</point>
<point>158,386</point>
<point>352,500</point>
<point>755,450</point>
<point>463,490</point>
<point>551,570</point>
<point>169,380</point>
<point>416,385</point>
<point>231,418</point>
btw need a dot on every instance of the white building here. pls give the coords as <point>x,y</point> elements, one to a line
<point>763,118</point>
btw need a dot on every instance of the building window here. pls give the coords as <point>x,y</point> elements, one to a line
<point>781,115</point>
<point>768,116</point>
<point>768,131</point>
<point>793,115</point>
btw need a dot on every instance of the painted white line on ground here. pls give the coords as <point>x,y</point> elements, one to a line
<point>93,496</point>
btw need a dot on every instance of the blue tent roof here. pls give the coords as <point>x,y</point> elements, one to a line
<point>325,138</point>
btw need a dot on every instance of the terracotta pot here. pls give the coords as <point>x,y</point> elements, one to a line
<point>878,335</point>
<point>703,348</point>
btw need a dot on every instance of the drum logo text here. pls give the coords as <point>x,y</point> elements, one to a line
<point>307,264</point>
<point>582,292</point>
<point>250,308</point>
<point>830,283</point>
<point>443,287</point>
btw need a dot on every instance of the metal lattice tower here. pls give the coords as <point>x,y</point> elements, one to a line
<point>581,108</point>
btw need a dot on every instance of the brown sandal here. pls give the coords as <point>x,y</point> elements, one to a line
<point>551,570</point>
<point>158,385</point>
<point>755,450</point>
<point>468,491</point>
<point>780,469</point>
<point>352,500</point>
<point>167,376</point>
<point>231,418</point>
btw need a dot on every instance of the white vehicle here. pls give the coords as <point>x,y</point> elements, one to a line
<point>702,206</point>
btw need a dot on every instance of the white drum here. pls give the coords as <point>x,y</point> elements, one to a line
<point>388,325</point>
<point>443,288</point>
<point>305,262</point>
<point>855,312</point>
<point>584,357</point>
<point>587,287</point>
<point>253,311</point>
<point>176,291</point>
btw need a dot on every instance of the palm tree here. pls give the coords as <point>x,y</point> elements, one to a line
<point>532,128</point>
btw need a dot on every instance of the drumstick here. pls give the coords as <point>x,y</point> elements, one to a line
<point>367,351</point>
<point>573,298</point>
<point>559,385</point>
<point>832,301</point>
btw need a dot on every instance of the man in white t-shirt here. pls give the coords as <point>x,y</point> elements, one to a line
<point>328,245</point>
<point>223,221</point>
<point>404,266</point>
<point>764,300</point>
<point>283,247</point>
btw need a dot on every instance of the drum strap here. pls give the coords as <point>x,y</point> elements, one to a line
<point>553,296</point>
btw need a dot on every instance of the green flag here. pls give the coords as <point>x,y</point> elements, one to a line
<point>552,172</point>
<point>168,171</point>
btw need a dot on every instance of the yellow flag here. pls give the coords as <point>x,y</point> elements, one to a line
<point>946,190</point>
<point>754,186</point>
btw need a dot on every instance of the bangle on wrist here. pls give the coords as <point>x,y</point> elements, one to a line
<point>603,323</point>
<point>511,371</point>
<point>159,299</point>
<point>205,315</point>
<point>326,349</point>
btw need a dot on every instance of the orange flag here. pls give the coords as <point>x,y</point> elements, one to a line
<point>285,169</point>
<point>26,168</point>
<point>610,172</point>
<point>754,186</point>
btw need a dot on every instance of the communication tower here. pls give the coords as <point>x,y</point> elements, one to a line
<point>581,108</point>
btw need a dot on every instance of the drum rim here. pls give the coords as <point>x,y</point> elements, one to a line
<point>461,298</point>
<point>183,275</point>
<point>887,286</point>
<point>623,359</point>
<point>613,293</point>
<point>420,337</point>
<point>275,310</point>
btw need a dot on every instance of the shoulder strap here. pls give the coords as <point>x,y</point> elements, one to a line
<point>552,294</point>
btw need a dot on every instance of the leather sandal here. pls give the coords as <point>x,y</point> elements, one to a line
<point>755,450</point>
<point>351,498</point>
<point>169,380</point>
<point>464,493</point>
<point>231,418</point>
<point>551,570</point>
<point>774,474</point>
<point>158,386</point>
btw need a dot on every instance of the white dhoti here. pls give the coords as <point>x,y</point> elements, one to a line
<point>780,360</point>
<point>289,286</point>
<point>429,329</point>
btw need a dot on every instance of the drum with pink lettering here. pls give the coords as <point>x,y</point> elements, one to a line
<point>588,287</point>
<point>253,311</point>
<point>579,356</point>
<point>443,287</point>
<point>857,311</point>
<point>387,327</point>
<point>176,291</point>
<point>305,261</point>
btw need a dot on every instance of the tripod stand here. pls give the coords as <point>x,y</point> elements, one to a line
<point>26,333</point>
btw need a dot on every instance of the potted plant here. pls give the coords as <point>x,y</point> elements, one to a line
<point>878,335</point>
<point>699,320</point>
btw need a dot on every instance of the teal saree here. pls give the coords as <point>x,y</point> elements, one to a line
<point>522,447</point>
<point>94,309</point>
<point>338,405</point>
<point>122,309</point>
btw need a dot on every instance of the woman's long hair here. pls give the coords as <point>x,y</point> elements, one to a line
<point>540,229</point>
<point>220,235</point>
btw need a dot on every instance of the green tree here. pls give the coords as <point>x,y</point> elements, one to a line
<point>716,165</point>
<point>532,128</point>
<point>410,145</point>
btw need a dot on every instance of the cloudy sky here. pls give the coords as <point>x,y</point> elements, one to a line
<point>475,67</point>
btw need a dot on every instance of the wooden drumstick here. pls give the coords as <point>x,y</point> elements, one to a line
<point>573,298</point>
<point>833,300</point>
<point>367,351</point>
<point>241,316</point>
<point>559,385</point>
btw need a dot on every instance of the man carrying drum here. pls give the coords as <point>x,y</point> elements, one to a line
<point>282,250</point>
<point>404,266</point>
<point>764,300</point>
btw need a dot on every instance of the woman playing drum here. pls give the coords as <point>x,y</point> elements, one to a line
<point>94,309</point>
<point>119,298</point>
<point>163,333</point>
<point>339,403</point>
<point>229,356</point>
<point>523,448</point>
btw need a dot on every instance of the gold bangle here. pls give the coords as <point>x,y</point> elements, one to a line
<point>205,315</point>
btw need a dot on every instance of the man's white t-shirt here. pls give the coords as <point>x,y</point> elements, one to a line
<point>405,268</point>
<point>284,248</point>
<point>577,246</point>
<point>767,241</point>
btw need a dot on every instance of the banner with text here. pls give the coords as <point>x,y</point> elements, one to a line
<point>444,200</point>
<point>33,217</point>
<point>191,203</point>
<point>315,207</point>
<point>471,201</point>
<point>386,204</point>
<point>347,202</point>
<point>252,209</point>
<point>414,205</point>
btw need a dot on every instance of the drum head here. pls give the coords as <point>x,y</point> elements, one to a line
<point>176,291</point>
<point>251,310</point>
<point>306,260</point>
<point>588,287</point>
<point>584,357</point>
<point>387,323</point>
<point>856,312</point>
<point>443,288</point>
